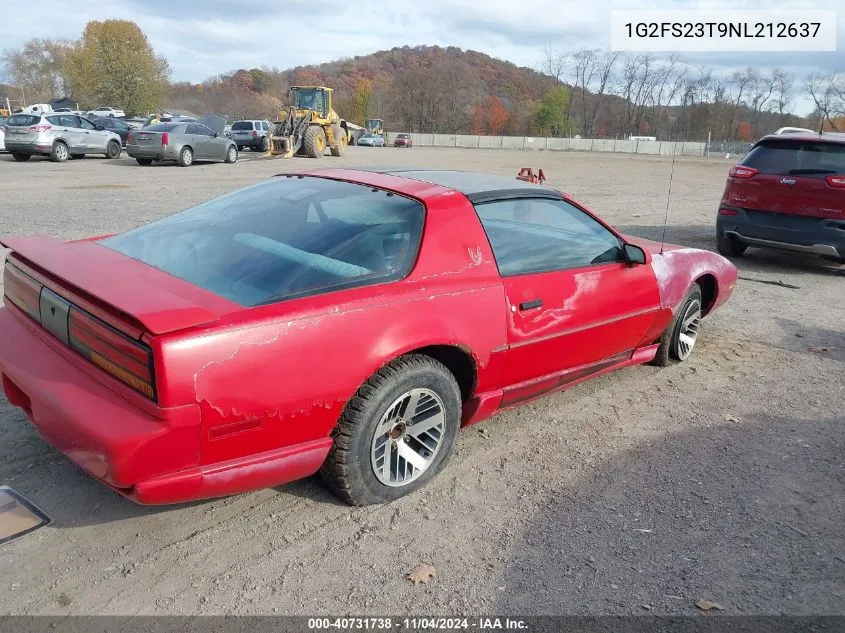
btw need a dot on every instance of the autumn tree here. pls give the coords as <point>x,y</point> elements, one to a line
<point>39,68</point>
<point>114,64</point>
<point>361,101</point>
<point>551,112</point>
<point>497,116</point>
<point>745,132</point>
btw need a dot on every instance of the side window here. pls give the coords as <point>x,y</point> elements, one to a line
<point>203,130</point>
<point>85,124</point>
<point>55,119</point>
<point>192,129</point>
<point>533,235</point>
<point>68,120</point>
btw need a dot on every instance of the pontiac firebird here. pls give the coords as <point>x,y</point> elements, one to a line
<point>346,322</point>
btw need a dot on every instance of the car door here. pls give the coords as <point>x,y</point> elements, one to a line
<point>200,137</point>
<point>72,132</point>
<point>95,140</point>
<point>575,306</point>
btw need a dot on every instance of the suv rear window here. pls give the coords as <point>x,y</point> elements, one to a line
<point>797,158</point>
<point>242,125</point>
<point>285,238</point>
<point>24,119</point>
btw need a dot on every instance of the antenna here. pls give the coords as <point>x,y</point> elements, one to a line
<point>671,177</point>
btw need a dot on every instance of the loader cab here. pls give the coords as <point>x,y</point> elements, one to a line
<point>374,126</point>
<point>318,99</point>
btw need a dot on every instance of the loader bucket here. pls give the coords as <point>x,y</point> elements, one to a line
<point>281,146</point>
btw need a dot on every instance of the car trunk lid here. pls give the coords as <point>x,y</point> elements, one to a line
<point>128,294</point>
<point>804,177</point>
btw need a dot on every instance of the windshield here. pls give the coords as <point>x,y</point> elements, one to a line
<point>285,238</point>
<point>798,158</point>
<point>309,99</point>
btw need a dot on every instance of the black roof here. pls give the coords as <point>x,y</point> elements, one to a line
<point>475,186</point>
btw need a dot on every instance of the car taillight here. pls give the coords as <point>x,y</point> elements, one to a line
<point>129,138</point>
<point>254,134</point>
<point>124,358</point>
<point>738,171</point>
<point>836,181</point>
<point>724,211</point>
<point>165,138</point>
<point>41,127</point>
<point>23,291</point>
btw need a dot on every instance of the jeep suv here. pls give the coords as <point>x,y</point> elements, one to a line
<point>252,134</point>
<point>787,193</point>
<point>59,136</point>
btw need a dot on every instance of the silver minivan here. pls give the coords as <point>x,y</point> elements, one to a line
<point>58,135</point>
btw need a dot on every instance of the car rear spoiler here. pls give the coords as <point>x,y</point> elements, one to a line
<point>158,301</point>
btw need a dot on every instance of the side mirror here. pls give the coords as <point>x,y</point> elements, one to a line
<point>99,127</point>
<point>215,134</point>
<point>633,254</point>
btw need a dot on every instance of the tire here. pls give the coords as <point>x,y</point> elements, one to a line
<point>340,137</point>
<point>729,246</point>
<point>265,144</point>
<point>687,321</point>
<point>59,153</point>
<point>314,142</point>
<point>113,150</point>
<point>21,158</point>
<point>232,154</point>
<point>144,161</point>
<point>350,469</point>
<point>186,157</point>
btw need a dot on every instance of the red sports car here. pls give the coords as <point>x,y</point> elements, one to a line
<point>340,321</point>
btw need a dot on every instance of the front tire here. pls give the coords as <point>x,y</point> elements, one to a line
<point>186,157</point>
<point>340,139</point>
<point>232,154</point>
<point>113,150</point>
<point>729,246</point>
<point>314,142</point>
<point>679,338</point>
<point>396,434</point>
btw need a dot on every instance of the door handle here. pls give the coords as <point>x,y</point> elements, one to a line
<point>528,305</point>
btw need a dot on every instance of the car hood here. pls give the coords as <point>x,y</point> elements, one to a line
<point>216,122</point>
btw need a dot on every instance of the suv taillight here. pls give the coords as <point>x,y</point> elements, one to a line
<point>738,171</point>
<point>41,127</point>
<point>836,181</point>
<point>165,138</point>
<point>254,134</point>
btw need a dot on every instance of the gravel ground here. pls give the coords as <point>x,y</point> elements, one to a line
<point>638,492</point>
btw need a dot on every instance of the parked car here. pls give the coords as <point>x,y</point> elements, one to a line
<point>3,120</point>
<point>252,134</point>
<point>403,140</point>
<point>183,143</point>
<point>59,136</point>
<point>787,193</point>
<point>373,140</point>
<point>104,111</point>
<point>118,126</point>
<point>346,322</point>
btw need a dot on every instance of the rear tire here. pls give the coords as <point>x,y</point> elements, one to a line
<point>678,339</point>
<point>113,150</point>
<point>21,158</point>
<point>314,142</point>
<point>59,153</point>
<point>340,139</point>
<point>729,246</point>
<point>144,161</point>
<point>378,424</point>
<point>186,157</point>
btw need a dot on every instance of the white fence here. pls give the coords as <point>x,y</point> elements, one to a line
<point>624,146</point>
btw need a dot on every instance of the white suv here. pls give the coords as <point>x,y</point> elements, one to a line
<point>59,136</point>
<point>104,111</point>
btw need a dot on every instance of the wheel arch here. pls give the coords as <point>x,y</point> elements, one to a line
<point>458,360</point>
<point>709,291</point>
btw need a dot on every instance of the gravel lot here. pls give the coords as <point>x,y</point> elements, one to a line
<point>637,492</point>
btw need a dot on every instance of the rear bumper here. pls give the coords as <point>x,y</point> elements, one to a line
<point>148,459</point>
<point>787,232</point>
<point>25,148</point>
<point>156,152</point>
<point>100,431</point>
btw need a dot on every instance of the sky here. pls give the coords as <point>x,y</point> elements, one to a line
<point>201,38</point>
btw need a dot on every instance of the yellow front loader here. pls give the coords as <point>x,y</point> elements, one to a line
<point>309,125</point>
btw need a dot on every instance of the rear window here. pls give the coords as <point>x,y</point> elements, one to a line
<point>24,119</point>
<point>797,158</point>
<point>242,125</point>
<point>281,239</point>
<point>161,127</point>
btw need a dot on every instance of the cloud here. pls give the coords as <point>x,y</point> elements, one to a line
<point>202,38</point>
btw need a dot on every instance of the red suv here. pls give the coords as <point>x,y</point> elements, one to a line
<point>787,193</point>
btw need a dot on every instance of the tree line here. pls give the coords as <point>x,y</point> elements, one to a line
<point>586,92</point>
